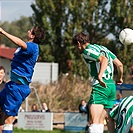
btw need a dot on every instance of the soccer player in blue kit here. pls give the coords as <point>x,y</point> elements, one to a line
<point>22,68</point>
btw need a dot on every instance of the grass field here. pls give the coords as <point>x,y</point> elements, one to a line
<point>41,131</point>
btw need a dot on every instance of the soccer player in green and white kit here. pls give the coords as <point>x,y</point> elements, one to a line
<point>100,64</point>
<point>122,114</point>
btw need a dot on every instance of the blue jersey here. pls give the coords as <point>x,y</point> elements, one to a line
<point>24,61</point>
<point>22,68</point>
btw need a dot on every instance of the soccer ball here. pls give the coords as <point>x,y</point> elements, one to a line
<point>126,36</point>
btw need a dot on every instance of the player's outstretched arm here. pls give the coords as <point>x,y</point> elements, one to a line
<point>14,39</point>
<point>119,66</point>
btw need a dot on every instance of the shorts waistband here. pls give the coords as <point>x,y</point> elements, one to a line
<point>18,82</point>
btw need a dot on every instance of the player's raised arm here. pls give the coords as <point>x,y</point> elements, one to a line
<point>14,39</point>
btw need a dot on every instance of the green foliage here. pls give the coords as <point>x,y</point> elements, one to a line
<point>121,16</point>
<point>64,95</point>
<point>61,20</point>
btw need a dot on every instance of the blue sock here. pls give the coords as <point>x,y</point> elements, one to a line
<point>7,131</point>
<point>7,128</point>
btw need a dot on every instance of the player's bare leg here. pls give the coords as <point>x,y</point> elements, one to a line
<point>1,120</point>
<point>8,126</point>
<point>97,113</point>
<point>103,115</point>
<point>110,124</point>
<point>97,117</point>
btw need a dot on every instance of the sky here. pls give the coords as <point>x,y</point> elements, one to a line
<point>11,10</point>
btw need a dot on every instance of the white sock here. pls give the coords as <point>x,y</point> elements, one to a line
<point>101,127</point>
<point>7,128</point>
<point>96,128</point>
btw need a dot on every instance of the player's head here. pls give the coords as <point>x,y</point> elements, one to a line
<point>36,34</point>
<point>79,40</point>
<point>34,107</point>
<point>2,72</point>
<point>83,102</point>
<point>44,105</point>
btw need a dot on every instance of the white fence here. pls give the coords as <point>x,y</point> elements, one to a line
<point>45,72</point>
<point>75,122</point>
<point>35,120</point>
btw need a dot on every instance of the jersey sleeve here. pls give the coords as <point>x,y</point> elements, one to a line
<point>132,122</point>
<point>91,54</point>
<point>31,48</point>
<point>112,55</point>
<point>114,112</point>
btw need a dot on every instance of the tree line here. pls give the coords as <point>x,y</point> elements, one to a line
<point>101,19</point>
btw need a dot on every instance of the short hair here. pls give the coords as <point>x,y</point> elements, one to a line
<point>83,100</point>
<point>39,34</point>
<point>2,68</point>
<point>80,37</point>
<point>34,105</point>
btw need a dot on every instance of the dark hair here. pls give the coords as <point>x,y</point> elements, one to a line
<point>34,105</point>
<point>39,34</point>
<point>80,37</point>
<point>1,67</point>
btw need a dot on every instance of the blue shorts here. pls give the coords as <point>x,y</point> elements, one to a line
<point>12,96</point>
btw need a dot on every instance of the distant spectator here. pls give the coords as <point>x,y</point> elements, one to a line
<point>118,99</point>
<point>83,107</point>
<point>21,109</point>
<point>34,108</point>
<point>45,108</point>
<point>2,85</point>
<point>2,75</point>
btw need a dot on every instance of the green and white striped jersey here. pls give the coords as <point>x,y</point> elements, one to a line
<point>91,54</point>
<point>123,115</point>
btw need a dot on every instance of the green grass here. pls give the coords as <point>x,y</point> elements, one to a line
<point>42,131</point>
